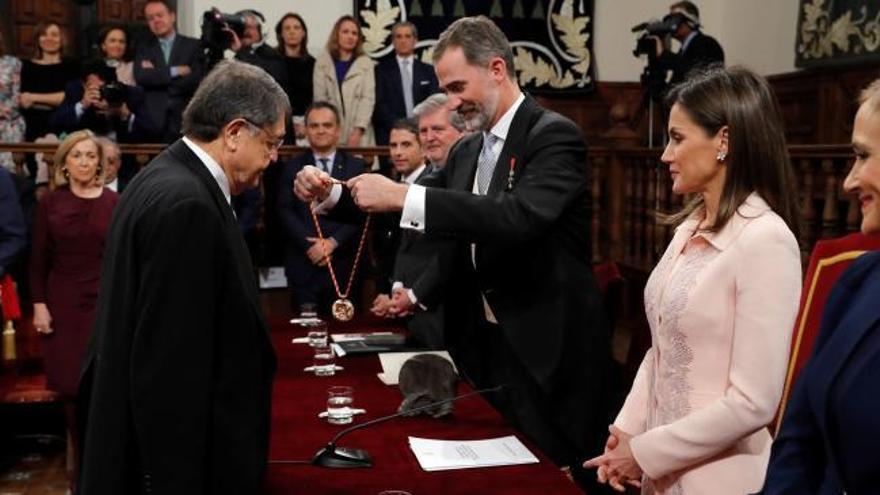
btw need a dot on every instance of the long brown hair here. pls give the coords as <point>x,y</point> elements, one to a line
<point>757,158</point>
<point>279,28</point>
<point>333,39</point>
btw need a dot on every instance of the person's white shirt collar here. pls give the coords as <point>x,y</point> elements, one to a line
<point>401,59</point>
<point>213,167</point>
<point>330,157</point>
<point>502,127</point>
<point>687,41</point>
<point>113,185</point>
<point>411,177</point>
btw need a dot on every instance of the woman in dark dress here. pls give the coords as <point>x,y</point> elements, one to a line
<point>43,79</point>
<point>293,40</point>
<point>69,233</point>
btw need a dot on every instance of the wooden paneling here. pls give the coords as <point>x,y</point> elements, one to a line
<point>27,14</point>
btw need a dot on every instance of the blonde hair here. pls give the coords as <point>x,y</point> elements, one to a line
<point>871,95</point>
<point>333,40</point>
<point>59,178</point>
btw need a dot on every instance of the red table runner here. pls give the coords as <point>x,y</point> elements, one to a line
<point>297,433</point>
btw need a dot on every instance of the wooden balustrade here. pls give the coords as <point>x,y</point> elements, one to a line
<point>630,187</point>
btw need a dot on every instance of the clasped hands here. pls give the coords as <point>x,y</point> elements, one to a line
<point>371,192</point>
<point>396,306</point>
<point>616,466</point>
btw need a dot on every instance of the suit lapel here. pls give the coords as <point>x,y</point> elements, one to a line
<point>466,166</point>
<point>513,146</point>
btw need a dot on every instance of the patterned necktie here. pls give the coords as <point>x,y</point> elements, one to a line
<point>406,77</point>
<point>486,163</point>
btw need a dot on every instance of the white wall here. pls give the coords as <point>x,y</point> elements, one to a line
<point>757,33</point>
<point>318,14</point>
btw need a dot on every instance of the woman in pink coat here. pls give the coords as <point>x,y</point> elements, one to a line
<point>721,302</point>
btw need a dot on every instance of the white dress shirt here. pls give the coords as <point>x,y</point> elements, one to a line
<point>213,168</point>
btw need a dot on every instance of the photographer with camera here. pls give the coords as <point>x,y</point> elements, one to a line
<point>697,49</point>
<point>105,106</point>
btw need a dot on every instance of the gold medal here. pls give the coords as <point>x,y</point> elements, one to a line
<point>342,309</point>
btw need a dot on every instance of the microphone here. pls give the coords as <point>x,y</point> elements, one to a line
<point>332,456</point>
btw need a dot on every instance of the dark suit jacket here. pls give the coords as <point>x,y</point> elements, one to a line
<point>178,378</point>
<point>701,51</point>
<point>297,222</point>
<point>268,59</point>
<point>389,93</point>
<point>808,456</point>
<point>533,265</point>
<point>166,97</point>
<point>64,118</point>
<point>13,230</point>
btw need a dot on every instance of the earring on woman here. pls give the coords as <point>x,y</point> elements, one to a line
<point>722,155</point>
<point>65,173</point>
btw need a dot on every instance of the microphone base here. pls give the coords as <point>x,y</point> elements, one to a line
<point>342,457</point>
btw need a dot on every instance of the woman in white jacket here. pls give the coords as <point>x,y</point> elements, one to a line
<point>344,77</point>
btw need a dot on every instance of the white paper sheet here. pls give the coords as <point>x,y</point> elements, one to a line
<point>440,455</point>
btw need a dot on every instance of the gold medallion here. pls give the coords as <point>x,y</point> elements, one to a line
<point>342,309</point>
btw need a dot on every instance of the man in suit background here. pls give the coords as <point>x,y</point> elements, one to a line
<point>408,162</point>
<point>253,49</point>
<point>13,230</point>
<point>419,283</point>
<point>304,258</point>
<point>118,112</point>
<point>523,308</point>
<point>169,68</point>
<point>178,378</point>
<point>402,81</point>
<point>697,49</point>
<point>111,158</point>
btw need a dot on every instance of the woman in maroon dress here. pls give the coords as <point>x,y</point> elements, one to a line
<point>69,232</point>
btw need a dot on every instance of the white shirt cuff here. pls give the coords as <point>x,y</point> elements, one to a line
<point>324,206</point>
<point>79,110</point>
<point>413,215</point>
<point>409,293</point>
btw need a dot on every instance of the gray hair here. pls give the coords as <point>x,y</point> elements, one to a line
<point>407,24</point>
<point>479,39</point>
<point>234,90</point>
<point>106,141</point>
<point>434,103</point>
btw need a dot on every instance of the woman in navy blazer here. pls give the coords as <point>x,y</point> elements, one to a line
<point>829,436</point>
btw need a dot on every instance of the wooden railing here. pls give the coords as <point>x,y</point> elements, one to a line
<point>630,186</point>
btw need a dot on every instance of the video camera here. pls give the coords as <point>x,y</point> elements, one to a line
<point>215,37</point>
<point>656,28</point>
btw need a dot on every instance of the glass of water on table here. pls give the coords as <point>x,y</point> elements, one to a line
<point>339,402</point>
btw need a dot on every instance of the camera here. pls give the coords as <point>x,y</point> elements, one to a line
<point>214,25</point>
<point>659,28</point>
<point>113,93</point>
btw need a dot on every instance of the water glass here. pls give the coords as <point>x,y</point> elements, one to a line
<point>324,362</point>
<point>339,401</point>
<point>317,333</point>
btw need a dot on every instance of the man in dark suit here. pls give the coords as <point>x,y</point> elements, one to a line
<point>105,106</point>
<point>169,68</point>
<point>304,261</point>
<point>253,49</point>
<point>178,378</point>
<point>419,278</point>
<point>523,309</point>
<point>402,81</point>
<point>697,49</point>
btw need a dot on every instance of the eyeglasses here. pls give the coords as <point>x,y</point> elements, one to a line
<point>272,144</point>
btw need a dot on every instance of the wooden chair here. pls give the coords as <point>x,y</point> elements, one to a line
<point>829,260</point>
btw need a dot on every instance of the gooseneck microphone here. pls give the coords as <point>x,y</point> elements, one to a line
<point>332,456</point>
